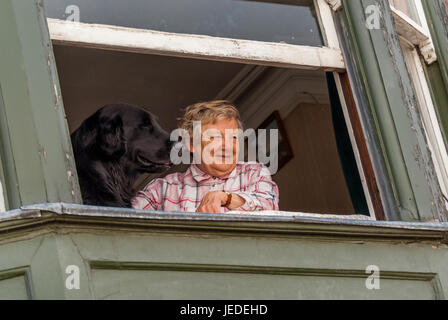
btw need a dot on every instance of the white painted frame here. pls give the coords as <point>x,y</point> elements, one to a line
<point>356,152</point>
<point>328,28</point>
<point>415,34</point>
<point>325,8</point>
<point>117,38</point>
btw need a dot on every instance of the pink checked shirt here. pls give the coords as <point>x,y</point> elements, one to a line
<point>184,191</point>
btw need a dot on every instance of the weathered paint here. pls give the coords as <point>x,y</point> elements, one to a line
<point>124,254</point>
<point>367,125</point>
<point>37,154</point>
<point>131,254</point>
<point>437,14</point>
<point>387,87</point>
<point>35,149</point>
<point>439,95</point>
<point>414,34</point>
<point>194,46</point>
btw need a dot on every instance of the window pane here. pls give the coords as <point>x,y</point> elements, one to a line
<point>407,7</point>
<point>288,21</point>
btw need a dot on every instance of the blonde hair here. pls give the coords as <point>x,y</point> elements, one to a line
<point>209,112</point>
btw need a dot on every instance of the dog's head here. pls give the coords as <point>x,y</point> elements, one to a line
<point>123,132</point>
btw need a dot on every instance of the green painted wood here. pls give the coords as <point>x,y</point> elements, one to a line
<point>15,284</point>
<point>6,195</point>
<point>217,285</point>
<point>437,74</point>
<point>127,254</point>
<point>437,14</point>
<point>399,130</point>
<point>14,289</point>
<point>35,146</point>
<point>439,95</point>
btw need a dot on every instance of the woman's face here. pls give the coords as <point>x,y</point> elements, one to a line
<point>219,147</point>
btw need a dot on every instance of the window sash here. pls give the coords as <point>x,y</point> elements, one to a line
<point>328,58</point>
<point>108,37</point>
<point>414,33</point>
<point>194,46</point>
<point>407,7</point>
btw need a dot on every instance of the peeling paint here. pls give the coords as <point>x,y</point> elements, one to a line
<point>193,46</point>
<point>421,153</point>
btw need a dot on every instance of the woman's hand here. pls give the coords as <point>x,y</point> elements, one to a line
<point>213,201</point>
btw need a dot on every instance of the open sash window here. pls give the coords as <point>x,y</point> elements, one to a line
<point>266,56</point>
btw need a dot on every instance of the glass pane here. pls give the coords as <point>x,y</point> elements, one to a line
<point>287,21</point>
<point>407,7</point>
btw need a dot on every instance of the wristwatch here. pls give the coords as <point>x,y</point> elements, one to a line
<point>229,200</point>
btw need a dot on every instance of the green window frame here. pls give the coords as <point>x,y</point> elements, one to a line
<point>38,161</point>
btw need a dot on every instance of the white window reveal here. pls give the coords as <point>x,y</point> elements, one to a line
<point>408,8</point>
<point>412,26</point>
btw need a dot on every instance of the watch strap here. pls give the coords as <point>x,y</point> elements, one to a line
<point>229,200</point>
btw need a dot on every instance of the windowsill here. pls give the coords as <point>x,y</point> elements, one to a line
<point>78,218</point>
<point>299,214</point>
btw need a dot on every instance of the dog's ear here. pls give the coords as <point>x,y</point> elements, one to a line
<point>110,138</point>
<point>84,138</point>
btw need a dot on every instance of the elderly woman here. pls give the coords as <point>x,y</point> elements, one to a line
<point>217,182</point>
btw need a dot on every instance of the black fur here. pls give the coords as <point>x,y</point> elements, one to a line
<point>113,147</point>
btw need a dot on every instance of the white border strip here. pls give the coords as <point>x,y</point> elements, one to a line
<point>2,199</point>
<point>194,46</point>
<point>408,28</point>
<point>356,153</point>
<point>328,26</point>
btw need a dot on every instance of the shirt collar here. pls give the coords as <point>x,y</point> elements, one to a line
<point>200,175</point>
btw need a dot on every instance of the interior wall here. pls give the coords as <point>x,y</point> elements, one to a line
<point>313,180</point>
<point>92,78</point>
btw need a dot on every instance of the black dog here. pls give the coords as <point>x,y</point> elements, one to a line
<point>113,147</point>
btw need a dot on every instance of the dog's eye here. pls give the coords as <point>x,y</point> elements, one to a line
<point>147,127</point>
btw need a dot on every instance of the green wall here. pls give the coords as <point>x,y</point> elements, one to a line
<point>143,255</point>
<point>35,146</point>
